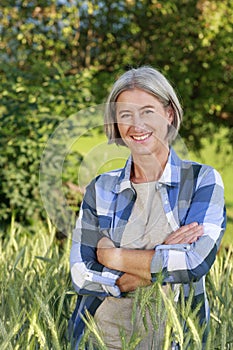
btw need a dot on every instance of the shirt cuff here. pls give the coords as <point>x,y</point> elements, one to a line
<point>112,290</point>
<point>157,263</point>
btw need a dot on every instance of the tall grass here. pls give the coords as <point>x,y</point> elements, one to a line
<point>182,324</point>
<point>37,297</point>
<point>35,289</point>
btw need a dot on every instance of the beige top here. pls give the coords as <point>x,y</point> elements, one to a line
<point>147,227</point>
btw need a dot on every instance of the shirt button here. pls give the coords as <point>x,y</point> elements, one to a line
<point>88,276</point>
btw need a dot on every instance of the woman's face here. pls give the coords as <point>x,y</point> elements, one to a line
<point>143,121</point>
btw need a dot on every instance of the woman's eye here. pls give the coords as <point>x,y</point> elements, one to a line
<point>126,115</point>
<point>148,111</point>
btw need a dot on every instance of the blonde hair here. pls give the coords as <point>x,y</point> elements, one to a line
<point>147,79</point>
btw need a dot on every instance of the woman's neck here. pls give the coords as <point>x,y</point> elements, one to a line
<point>148,168</point>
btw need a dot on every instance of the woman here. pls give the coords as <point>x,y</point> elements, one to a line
<point>157,215</point>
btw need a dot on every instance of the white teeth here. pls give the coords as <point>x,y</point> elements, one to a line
<point>140,138</point>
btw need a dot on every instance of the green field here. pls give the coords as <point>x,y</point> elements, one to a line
<point>37,297</point>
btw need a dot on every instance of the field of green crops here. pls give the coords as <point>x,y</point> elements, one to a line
<point>37,297</point>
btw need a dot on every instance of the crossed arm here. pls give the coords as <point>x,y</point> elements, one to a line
<point>136,263</point>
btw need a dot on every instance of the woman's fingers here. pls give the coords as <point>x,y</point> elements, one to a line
<point>185,234</point>
<point>129,283</point>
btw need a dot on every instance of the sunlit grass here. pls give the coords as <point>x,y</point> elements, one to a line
<point>37,297</point>
<point>35,289</point>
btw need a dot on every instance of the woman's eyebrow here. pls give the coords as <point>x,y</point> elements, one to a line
<point>147,106</point>
<point>141,108</point>
<point>124,111</point>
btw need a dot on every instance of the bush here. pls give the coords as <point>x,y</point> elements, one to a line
<point>31,110</point>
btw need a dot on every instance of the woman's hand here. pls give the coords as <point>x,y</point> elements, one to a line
<point>129,283</point>
<point>185,234</point>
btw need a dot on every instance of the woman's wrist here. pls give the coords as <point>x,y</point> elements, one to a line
<point>106,252</point>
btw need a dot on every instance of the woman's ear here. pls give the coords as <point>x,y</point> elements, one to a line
<point>170,114</point>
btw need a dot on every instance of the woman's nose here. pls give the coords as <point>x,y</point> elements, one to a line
<point>137,120</point>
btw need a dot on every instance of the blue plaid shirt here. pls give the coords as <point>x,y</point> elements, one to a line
<point>189,191</point>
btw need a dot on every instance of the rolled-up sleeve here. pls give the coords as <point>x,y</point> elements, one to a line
<point>183,263</point>
<point>88,275</point>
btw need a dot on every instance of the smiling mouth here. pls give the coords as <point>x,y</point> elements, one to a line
<point>141,137</point>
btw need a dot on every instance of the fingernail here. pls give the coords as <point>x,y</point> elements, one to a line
<point>194,224</point>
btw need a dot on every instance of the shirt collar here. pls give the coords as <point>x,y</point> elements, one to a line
<point>124,178</point>
<point>170,176</point>
<point>171,173</point>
